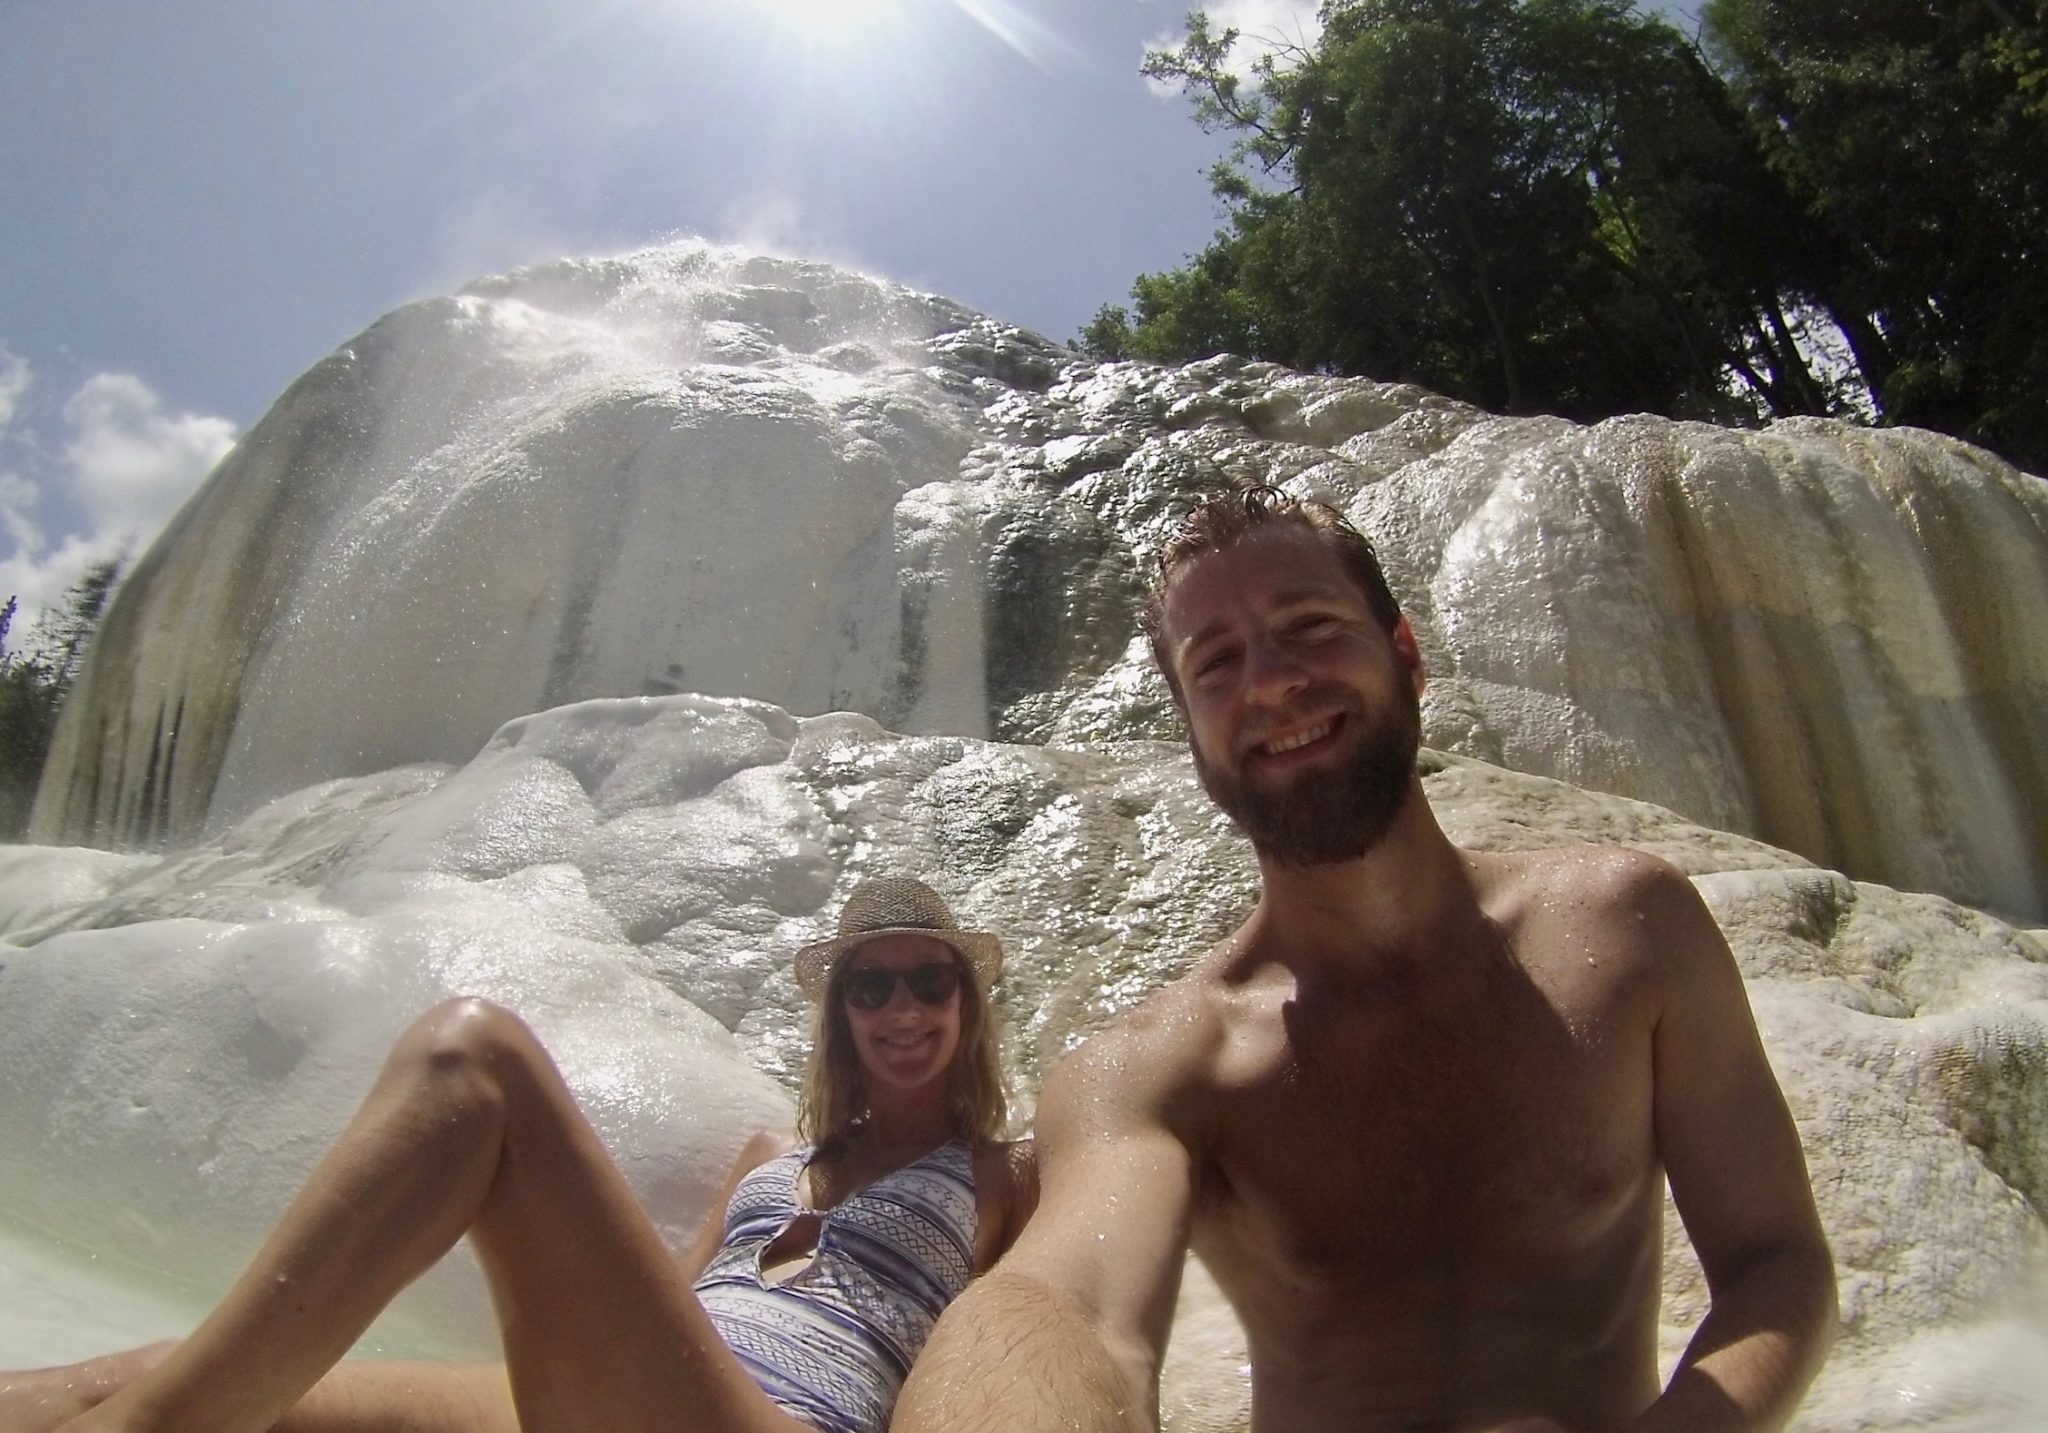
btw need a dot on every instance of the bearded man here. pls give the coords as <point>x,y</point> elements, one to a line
<point>1417,1113</point>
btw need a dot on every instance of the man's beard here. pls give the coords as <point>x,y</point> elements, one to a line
<point>1320,816</point>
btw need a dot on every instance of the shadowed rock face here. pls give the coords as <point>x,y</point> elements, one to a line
<point>182,1034</point>
<point>697,470</point>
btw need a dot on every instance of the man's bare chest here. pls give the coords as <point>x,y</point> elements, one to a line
<point>1488,1129</point>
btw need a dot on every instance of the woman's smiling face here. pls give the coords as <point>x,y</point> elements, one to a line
<point>904,1044</point>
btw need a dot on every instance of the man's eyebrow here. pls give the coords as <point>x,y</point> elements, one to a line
<point>1206,632</point>
<point>1291,597</point>
<point>1312,592</point>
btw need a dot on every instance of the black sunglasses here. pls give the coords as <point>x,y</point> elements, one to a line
<point>871,987</point>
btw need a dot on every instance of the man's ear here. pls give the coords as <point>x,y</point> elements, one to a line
<point>1410,654</point>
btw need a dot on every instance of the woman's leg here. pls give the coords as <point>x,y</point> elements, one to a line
<point>373,1396</point>
<point>35,1400</point>
<point>469,1128</point>
<point>356,1396</point>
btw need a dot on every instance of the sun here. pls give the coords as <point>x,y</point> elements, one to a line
<point>835,31</point>
<point>837,19</point>
<point>826,11</point>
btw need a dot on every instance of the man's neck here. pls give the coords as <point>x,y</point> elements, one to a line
<point>1403,898</point>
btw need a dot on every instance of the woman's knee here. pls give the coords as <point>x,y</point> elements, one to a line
<point>470,1049</point>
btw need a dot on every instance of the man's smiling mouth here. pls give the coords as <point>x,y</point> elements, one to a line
<point>1281,745</point>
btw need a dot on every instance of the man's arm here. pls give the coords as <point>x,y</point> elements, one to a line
<point>1739,1179</point>
<point>1067,1331</point>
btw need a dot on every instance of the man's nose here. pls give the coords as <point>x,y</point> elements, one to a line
<point>1272,669</point>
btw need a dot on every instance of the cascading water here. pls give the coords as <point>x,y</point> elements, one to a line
<point>675,472</point>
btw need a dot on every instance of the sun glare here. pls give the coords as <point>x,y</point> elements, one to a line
<point>838,20</point>
<point>827,10</point>
<point>844,25</point>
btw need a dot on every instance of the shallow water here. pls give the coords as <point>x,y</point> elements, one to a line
<point>64,1304</point>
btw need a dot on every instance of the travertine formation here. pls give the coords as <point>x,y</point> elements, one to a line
<point>696,470</point>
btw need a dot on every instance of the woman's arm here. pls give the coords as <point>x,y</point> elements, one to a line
<point>765,1145</point>
<point>1006,1184</point>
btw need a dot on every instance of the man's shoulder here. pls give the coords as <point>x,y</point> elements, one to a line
<point>1619,877</point>
<point>1158,1050</point>
<point>1638,910</point>
<point>1180,1017</point>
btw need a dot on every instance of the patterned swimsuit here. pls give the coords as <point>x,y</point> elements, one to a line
<point>832,1345</point>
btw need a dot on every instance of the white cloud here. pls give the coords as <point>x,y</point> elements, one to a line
<point>19,494</point>
<point>14,381</point>
<point>19,498</point>
<point>38,582</point>
<point>1263,27</point>
<point>132,463</point>
<point>127,463</point>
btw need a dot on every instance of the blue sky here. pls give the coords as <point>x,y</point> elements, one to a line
<point>200,199</point>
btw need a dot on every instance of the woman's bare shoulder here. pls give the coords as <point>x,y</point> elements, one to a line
<point>762,1146</point>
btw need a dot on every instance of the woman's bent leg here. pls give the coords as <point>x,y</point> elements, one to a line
<point>469,1124</point>
<point>399,1187</point>
<point>601,1328</point>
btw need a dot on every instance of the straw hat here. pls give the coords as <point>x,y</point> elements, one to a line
<point>894,905</point>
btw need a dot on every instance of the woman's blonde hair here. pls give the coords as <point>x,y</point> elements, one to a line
<point>834,1101</point>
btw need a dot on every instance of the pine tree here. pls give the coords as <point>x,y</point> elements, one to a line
<point>34,681</point>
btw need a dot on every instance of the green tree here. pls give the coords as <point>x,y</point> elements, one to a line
<point>1917,134</point>
<point>1551,205</point>
<point>33,684</point>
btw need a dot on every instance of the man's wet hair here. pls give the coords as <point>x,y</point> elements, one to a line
<point>1217,522</point>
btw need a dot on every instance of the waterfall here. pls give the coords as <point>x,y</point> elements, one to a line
<point>694,469</point>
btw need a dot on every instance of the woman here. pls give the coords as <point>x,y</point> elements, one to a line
<point>799,1310</point>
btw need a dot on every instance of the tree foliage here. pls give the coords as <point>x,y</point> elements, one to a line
<point>1562,206</point>
<point>33,682</point>
<point>1918,134</point>
<point>1540,206</point>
